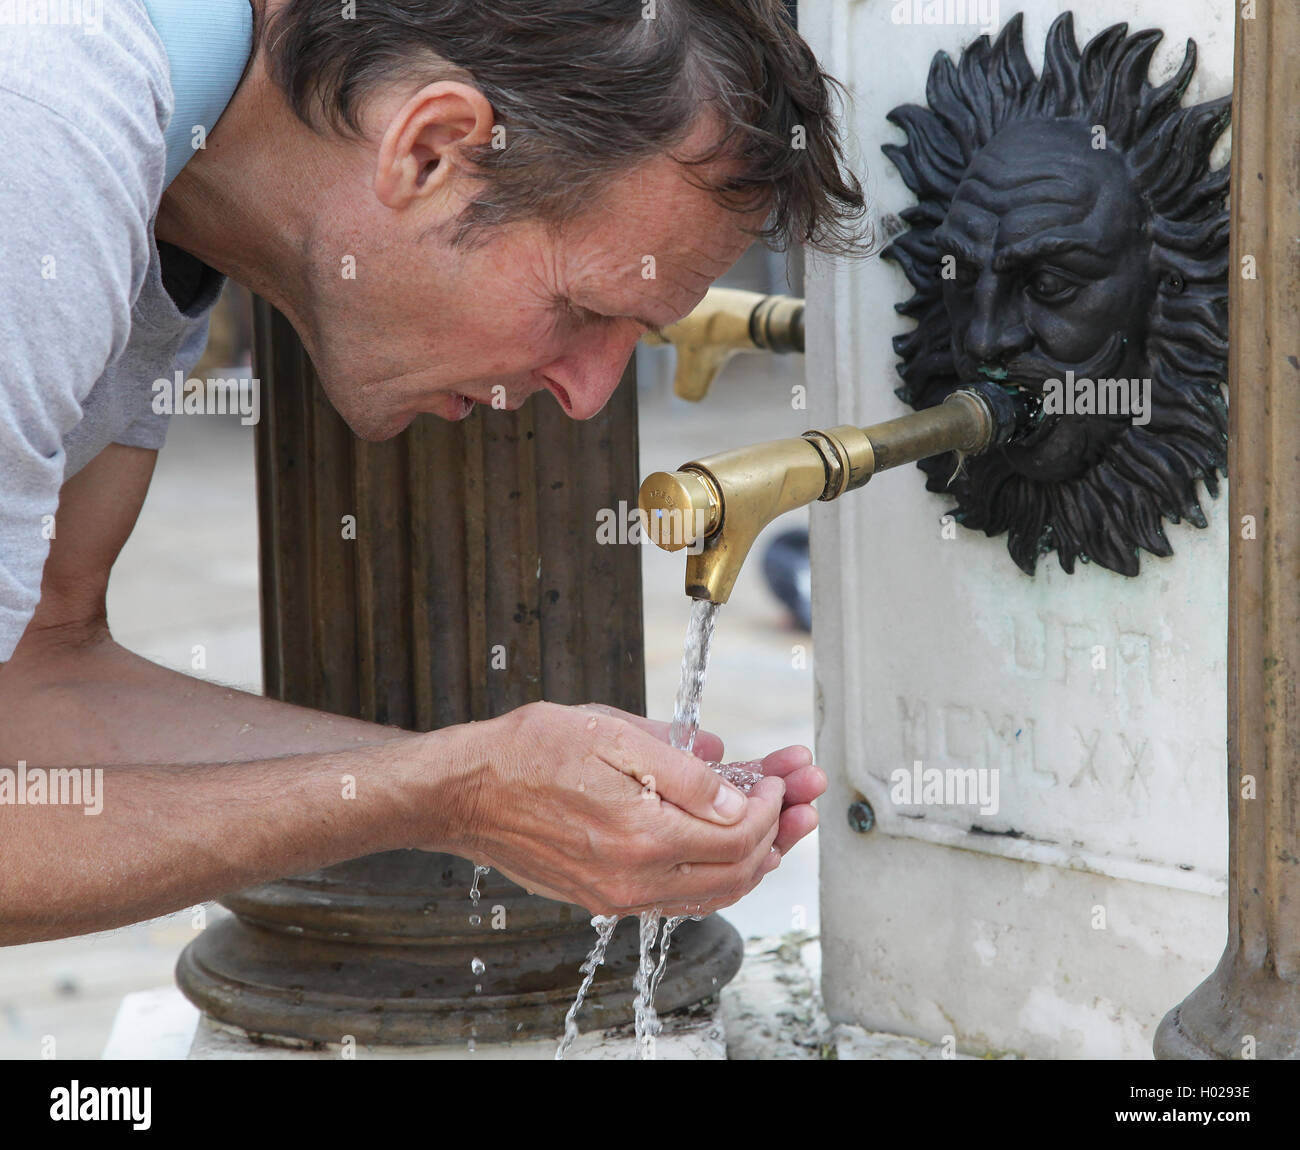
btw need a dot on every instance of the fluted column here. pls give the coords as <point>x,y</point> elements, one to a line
<point>447,575</point>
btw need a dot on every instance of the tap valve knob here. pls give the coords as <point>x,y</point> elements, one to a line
<point>681,508</point>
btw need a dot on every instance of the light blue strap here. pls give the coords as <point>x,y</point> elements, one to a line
<point>208,44</point>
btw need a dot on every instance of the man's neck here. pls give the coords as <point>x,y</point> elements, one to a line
<point>239,204</point>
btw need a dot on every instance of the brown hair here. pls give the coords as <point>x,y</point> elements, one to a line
<point>585,89</point>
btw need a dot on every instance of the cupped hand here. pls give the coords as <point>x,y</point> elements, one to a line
<point>590,805</point>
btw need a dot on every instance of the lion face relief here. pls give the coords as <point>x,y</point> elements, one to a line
<point>1071,240</point>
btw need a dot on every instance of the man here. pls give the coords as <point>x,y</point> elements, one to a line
<point>453,202</point>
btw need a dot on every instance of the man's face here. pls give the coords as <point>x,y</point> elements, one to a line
<point>1051,260</point>
<point>428,327</point>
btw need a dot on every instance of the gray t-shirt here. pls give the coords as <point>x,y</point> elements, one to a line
<point>86,321</point>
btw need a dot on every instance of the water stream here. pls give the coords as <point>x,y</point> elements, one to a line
<point>685,726</point>
<point>604,925</point>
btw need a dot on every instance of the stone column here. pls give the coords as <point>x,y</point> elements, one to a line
<point>1250,1006</point>
<point>467,582</point>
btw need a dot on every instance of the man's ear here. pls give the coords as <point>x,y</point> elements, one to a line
<point>418,146</point>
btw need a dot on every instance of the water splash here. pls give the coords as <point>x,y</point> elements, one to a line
<point>479,872</point>
<point>604,925</point>
<point>743,776</point>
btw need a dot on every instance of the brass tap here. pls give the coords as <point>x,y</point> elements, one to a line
<point>728,321</point>
<point>718,505</point>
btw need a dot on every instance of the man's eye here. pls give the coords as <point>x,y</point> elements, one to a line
<point>570,315</point>
<point>1049,287</point>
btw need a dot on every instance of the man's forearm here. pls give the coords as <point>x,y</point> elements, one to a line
<point>167,836</point>
<point>204,790</point>
<point>95,703</point>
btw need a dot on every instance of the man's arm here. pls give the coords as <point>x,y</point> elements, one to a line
<point>177,831</point>
<point>71,695</point>
<point>553,796</point>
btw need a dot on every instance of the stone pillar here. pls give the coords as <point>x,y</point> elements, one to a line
<point>468,582</point>
<point>1250,1006</point>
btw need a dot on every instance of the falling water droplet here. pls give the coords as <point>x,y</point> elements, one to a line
<point>479,872</point>
<point>478,988</point>
<point>472,1046</point>
<point>475,919</point>
<point>478,966</point>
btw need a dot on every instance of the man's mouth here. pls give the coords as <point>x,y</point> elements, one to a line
<point>462,406</point>
<point>560,394</point>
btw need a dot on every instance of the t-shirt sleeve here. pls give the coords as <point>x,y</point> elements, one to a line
<point>74,251</point>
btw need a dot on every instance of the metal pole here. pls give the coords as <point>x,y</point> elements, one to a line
<point>1250,1006</point>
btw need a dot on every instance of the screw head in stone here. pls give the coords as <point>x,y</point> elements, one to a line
<point>861,817</point>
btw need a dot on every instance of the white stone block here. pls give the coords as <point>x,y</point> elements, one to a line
<point>946,920</point>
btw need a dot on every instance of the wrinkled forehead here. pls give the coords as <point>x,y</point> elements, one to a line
<point>1044,176</point>
<point>657,235</point>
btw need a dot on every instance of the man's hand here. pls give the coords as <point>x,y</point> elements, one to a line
<point>590,805</point>
<point>803,781</point>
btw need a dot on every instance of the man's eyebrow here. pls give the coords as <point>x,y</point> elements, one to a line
<point>652,325</point>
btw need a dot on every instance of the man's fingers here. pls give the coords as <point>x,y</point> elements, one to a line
<point>679,778</point>
<point>803,781</point>
<point>705,887</point>
<point>795,822</point>
<point>707,745</point>
<point>804,785</point>
<point>787,759</point>
<point>701,843</point>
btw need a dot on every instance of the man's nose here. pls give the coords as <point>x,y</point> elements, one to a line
<point>583,381</point>
<point>996,331</point>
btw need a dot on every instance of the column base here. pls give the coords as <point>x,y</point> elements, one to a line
<point>1236,1013</point>
<point>392,967</point>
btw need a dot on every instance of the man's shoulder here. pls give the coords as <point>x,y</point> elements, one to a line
<point>99,67</point>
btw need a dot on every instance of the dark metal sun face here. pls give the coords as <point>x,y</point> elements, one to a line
<point>1069,232</point>
<point>1050,259</point>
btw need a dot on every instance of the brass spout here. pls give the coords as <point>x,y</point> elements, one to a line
<point>718,505</point>
<point>728,321</point>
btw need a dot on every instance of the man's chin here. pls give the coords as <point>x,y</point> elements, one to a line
<point>376,431</point>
